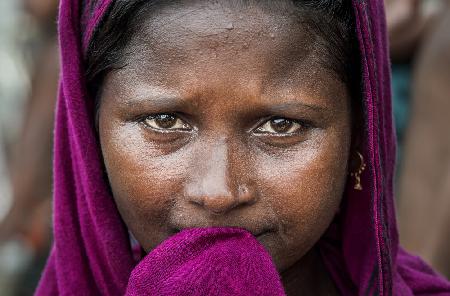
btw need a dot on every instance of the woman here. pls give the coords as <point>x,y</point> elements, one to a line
<point>233,141</point>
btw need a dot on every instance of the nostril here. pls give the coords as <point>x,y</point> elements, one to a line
<point>197,200</point>
<point>218,203</point>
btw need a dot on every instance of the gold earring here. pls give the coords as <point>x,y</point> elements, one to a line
<point>357,175</point>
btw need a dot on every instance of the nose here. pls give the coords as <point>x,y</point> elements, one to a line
<point>218,182</point>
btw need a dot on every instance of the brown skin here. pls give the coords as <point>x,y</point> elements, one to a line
<point>260,135</point>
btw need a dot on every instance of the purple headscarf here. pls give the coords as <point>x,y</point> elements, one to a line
<point>92,253</point>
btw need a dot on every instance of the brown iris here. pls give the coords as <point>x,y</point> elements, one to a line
<point>281,125</point>
<point>165,121</point>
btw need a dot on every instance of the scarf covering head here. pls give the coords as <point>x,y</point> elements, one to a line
<point>92,253</point>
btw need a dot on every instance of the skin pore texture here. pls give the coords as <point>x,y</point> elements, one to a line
<point>227,116</point>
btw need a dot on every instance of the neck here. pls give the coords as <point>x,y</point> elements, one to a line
<point>308,276</point>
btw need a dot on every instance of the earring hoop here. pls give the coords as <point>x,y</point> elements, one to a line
<point>358,173</point>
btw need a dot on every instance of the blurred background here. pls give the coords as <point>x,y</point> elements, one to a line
<point>419,33</point>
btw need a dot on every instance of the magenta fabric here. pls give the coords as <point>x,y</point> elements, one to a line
<point>92,253</point>
<point>213,261</point>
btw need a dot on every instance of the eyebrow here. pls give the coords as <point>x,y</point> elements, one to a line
<point>162,99</point>
<point>288,106</point>
<point>158,100</point>
<point>154,96</point>
<point>294,109</point>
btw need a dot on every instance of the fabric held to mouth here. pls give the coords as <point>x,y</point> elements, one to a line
<point>207,261</point>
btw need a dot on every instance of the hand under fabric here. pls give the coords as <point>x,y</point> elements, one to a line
<point>207,261</point>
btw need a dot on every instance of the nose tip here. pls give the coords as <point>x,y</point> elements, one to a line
<point>223,203</point>
<point>219,204</point>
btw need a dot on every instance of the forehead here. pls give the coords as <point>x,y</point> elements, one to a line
<point>213,17</point>
<point>197,30</point>
<point>199,46</point>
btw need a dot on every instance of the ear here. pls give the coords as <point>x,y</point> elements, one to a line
<point>354,161</point>
<point>357,144</point>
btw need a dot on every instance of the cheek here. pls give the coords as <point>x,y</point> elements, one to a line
<point>144,183</point>
<point>304,187</point>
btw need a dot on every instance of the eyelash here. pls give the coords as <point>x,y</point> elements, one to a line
<point>301,125</point>
<point>298,126</point>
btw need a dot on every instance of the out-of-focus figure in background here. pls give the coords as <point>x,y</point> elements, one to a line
<point>420,47</point>
<point>409,22</point>
<point>25,231</point>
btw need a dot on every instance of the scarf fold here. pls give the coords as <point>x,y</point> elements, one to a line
<point>92,253</point>
<point>212,261</point>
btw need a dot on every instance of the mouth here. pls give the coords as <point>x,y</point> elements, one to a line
<point>257,234</point>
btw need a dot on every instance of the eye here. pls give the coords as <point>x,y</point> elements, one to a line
<point>281,126</point>
<point>166,122</point>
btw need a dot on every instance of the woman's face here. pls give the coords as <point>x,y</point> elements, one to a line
<point>226,116</point>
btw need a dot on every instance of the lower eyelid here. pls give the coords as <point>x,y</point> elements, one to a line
<point>280,142</point>
<point>167,131</point>
<point>279,135</point>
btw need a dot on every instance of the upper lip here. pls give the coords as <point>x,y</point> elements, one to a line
<point>258,225</point>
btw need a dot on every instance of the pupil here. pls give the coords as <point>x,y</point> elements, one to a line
<point>165,120</point>
<point>281,125</point>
